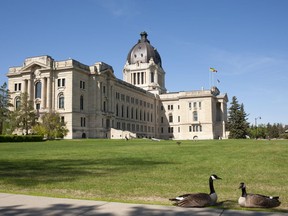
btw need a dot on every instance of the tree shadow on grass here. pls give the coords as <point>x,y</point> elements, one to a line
<point>30,172</point>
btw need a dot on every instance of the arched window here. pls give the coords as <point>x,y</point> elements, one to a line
<point>81,102</point>
<point>38,89</point>
<point>17,102</point>
<point>61,101</point>
<point>195,116</point>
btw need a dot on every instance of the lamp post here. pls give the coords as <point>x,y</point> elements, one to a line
<point>256,126</point>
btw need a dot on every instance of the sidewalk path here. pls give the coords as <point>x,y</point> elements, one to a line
<point>22,205</point>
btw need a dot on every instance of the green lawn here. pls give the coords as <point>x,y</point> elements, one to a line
<point>144,171</point>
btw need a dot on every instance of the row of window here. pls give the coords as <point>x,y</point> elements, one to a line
<point>170,117</point>
<point>134,127</point>
<point>192,128</point>
<point>170,106</point>
<point>195,105</point>
<point>133,113</point>
<point>133,100</point>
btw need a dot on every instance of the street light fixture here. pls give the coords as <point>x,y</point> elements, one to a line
<point>256,126</point>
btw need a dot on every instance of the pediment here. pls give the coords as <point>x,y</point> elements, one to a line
<point>34,66</point>
<point>39,62</point>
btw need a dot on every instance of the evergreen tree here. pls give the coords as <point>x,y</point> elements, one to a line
<point>24,117</point>
<point>51,126</point>
<point>237,120</point>
<point>4,107</point>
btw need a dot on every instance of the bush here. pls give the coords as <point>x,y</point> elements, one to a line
<point>21,138</point>
<point>284,136</point>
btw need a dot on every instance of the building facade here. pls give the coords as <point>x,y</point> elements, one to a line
<point>96,104</point>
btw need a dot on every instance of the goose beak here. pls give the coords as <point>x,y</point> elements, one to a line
<point>242,185</point>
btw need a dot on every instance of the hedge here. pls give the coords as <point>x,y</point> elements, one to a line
<point>21,138</point>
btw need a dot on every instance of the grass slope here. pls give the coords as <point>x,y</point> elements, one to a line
<point>144,171</point>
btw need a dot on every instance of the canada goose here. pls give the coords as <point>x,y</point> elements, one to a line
<point>256,200</point>
<point>198,199</point>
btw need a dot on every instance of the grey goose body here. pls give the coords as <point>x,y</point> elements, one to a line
<point>198,199</point>
<point>256,200</point>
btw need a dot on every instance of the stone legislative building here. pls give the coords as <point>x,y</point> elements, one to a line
<point>96,104</point>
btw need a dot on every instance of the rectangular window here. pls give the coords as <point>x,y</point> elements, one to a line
<point>82,85</point>
<point>178,118</point>
<point>17,87</point>
<point>62,120</point>
<point>83,122</point>
<point>190,128</point>
<point>170,118</point>
<point>61,82</point>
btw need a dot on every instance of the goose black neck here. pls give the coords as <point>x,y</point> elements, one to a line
<point>244,193</point>
<point>212,190</point>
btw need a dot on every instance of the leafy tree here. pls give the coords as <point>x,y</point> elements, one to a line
<point>51,126</point>
<point>24,117</point>
<point>259,131</point>
<point>273,130</point>
<point>4,107</point>
<point>237,120</point>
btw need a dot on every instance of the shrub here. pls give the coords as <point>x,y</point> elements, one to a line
<point>284,136</point>
<point>21,138</point>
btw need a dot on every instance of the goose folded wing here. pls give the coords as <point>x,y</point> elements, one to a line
<point>195,200</point>
<point>259,200</point>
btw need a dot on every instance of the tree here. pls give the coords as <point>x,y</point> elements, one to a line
<point>4,107</point>
<point>237,120</point>
<point>51,126</point>
<point>24,117</point>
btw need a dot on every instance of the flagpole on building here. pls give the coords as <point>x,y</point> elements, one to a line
<point>212,71</point>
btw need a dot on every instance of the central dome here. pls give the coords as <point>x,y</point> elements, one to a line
<point>143,51</point>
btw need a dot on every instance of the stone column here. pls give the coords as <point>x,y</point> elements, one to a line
<point>48,93</point>
<point>43,93</point>
<point>29,88</point>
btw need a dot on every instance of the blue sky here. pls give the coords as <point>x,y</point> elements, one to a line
<point>245,40</point>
